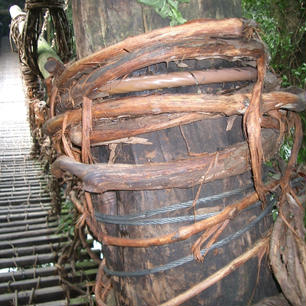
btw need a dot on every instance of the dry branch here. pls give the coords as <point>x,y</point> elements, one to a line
<point>158,104</point>
<point>86,129</point>
<point>109,130</point>
<point>220,274</point>
<point>232,27</point>
<point>176,79</point>
<point>194,48</point>
<point>252,124</point>
<point>210,48</point>
<point>184,173</point>
<point>278,300</point>
<point>288,252</point>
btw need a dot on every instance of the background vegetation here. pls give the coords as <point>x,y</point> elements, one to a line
<point>283,28</point>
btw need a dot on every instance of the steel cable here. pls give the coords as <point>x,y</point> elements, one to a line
<point>140,218</point>
<point>184,260</point>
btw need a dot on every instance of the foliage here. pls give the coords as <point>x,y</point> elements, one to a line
<point>48,30</point>
<point>68,12</point>
<point>274,214</point>
<point>167,9</point>
<point>302,153</point>
<point>67,219</point>
<point>285,150</point>
<point>283,28</point>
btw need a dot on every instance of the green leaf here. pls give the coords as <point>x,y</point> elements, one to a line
<point>274,214</point>
<point>167,9</point>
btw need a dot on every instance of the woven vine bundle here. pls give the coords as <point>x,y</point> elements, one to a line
<point>34,21</point>
<point>174,79</point>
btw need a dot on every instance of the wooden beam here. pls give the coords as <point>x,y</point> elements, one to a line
<point>26,261</point>
<point>14,217</point>
<point>34,240</point>
<point>29,250</point>
<point>78,301</point>
<point>8,224</point>
<point>28,233</point>
<point>28,227</point>
<point>44,271</point>
<point>40,295</point>
<point>17,210</point>
<point>37,259</point>
<point>47,281</point>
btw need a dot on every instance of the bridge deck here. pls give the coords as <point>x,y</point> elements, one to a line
<point>29,240</point>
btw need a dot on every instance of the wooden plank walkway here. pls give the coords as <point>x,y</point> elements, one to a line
<point>29,241</point>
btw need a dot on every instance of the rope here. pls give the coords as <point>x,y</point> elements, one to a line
<point>184,260</point>
<point>140,218</point>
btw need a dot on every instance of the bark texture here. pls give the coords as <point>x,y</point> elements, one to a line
<point>100,23</point>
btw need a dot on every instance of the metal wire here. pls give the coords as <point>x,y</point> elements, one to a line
<point>142,218</point>
<point>184,260</point>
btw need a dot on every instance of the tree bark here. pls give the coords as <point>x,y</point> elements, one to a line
<point>98,24</point>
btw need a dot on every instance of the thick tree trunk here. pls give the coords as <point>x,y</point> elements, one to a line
<point>99,24</point>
